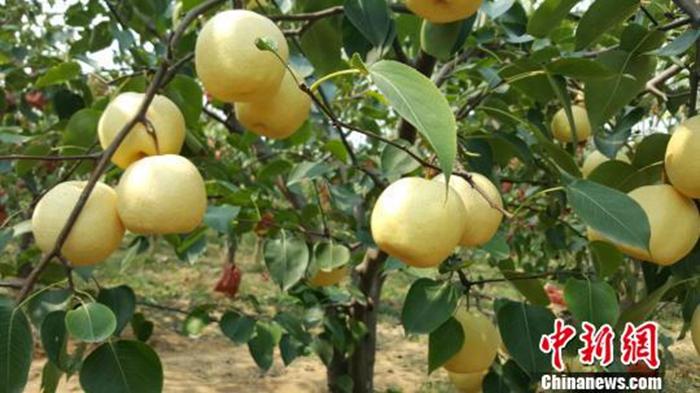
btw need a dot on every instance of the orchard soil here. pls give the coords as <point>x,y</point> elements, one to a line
<point>210,363</point>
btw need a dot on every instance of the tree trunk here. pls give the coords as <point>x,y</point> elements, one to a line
<point>371,279</point>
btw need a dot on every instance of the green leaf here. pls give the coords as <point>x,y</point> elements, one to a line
<point>54,338</point>
<point>407,91</point>
<point>24,167</point>
<point>262,345</point>
<point>91,322</point>
<point>638,39</point>
<point>532,289</point>
<point>680,44</point>
<point>445,39</point>
<point>373,20</point>
<point>290,349</point>
<point>521,328</point>
<point>639,311</point>
<point>322,43</point>
<point>81,129</point>
<point>602,16</point>
<point>396,162</point>
<point>613,174</point>
<point>16,347</point>
<point>428,305</point>
<point>46,302</point>
<point>122,301</point>
<point>548,16</point>
<point>327,255</point>
<point>122,367</point>
<point>609,143</point>
<point>196,321</point>
<point>187,95</point>
<point>579,68</point>
<point>591,301</point>
<point>651,150</point>
<point>58,74</point>
<point>443,343</point>
<point>237,327</point>
<point>286,259</point>
<point>498,247</point>
<point>220,218</point>
<point>606,258</point>
<point>307,171</point>
<point>143,329</point>
<point>529,78</point>
<point>610,212</point>
<point>50,377</point>
<point>100,37</point>
<point>605,97</point>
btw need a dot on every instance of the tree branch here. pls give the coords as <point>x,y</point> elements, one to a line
<point>691,8</point>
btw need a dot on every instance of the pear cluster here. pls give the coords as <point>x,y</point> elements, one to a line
<point>673,214</point>
<point>420,221</point>
<point>468,367</point>
<point>232,68</point>
<point>444,11</point>
<point>160,192</point>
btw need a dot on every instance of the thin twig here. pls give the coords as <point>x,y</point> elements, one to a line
<point>649,15</point>
<point>694,75</point>
<point>27,157</point>
<point>324,221</point>
<point>676,23</point>
<point>653,84</point>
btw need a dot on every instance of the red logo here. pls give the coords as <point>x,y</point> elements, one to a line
<point>597,345</point>
<point>556,342</point>
<point>640,344</point>
<point>637,344</point>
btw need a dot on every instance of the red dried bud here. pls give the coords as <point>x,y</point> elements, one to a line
<point>230,280</point>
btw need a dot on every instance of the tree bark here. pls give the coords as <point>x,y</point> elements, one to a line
<point>370,282</point>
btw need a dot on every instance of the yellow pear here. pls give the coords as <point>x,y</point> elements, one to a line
<point>682,164</point>
<point>96,234</point>
<point>481,343</point>
<point>482,219</point>
<point>561,129</point>
<point>228,62</point>
<point>161,195</point>
<point>469,382</point>
<point>418,221</point>
<point>324,278</point>
<point>596,158</point>
<point>444,11</point>
<point>165,117</point>
<point>278,115</point>
<point>674,223</point>
<point>695,329</point>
